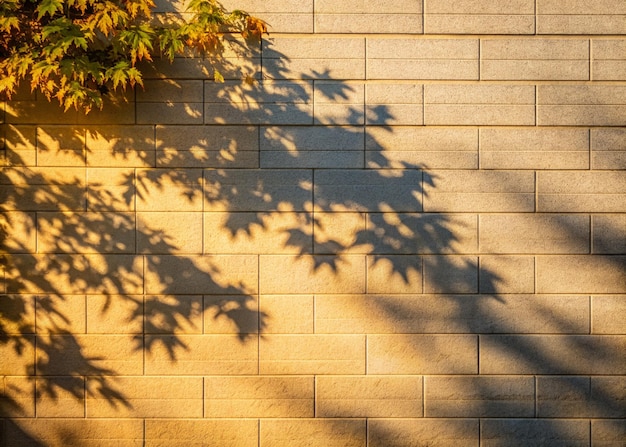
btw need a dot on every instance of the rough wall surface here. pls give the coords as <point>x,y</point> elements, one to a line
<point>411,231</point>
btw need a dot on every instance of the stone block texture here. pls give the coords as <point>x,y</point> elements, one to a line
<point>408,230</point>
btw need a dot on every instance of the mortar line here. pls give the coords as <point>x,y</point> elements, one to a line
<point>424,17</point>
<point>535,18</point>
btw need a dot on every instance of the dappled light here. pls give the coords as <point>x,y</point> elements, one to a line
<point>303,258</point>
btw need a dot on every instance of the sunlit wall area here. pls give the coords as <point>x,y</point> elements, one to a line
<point>407,228</point>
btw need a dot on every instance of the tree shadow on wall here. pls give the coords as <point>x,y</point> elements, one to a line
<point>100,240</point>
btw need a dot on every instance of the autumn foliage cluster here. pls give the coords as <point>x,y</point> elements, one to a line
<point>78,51</point>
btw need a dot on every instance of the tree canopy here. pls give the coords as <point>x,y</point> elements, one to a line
<point>78,51</point>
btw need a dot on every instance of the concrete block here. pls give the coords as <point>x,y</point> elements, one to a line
<point>588,105</point>
<point>86,232</point>
<point>18,361</point>
<point>114,314</point>
<point>38,112</point>
<point>552,354</point>
<point>607,314</point>
<point>534,233</point>
<point>534,59</point>
<point>312,274</point>
<point>196,355</point>
<point>534,148</point>
<point>470,23</point>
<point>111,189</point>
<point>581,191</point>
<point>393,103</point>
<point>167,190</point>
<point>61,146</point>
<point>288,314</point>
<point>85,355</point>
<point>579,17</point>
<point>184,68</point>
<point>608,432</point>
<point>368,396</point>
<point>311,147</point>
<point>312,354</point>
<point>402,314</point>
<point>473,104</point>
<point>312,159</point>
<point>201,433</point>
<point>609,59</point>
<point>119,109</point>
<point>370,23</point>
<point>420,58</point>
<point>340,233</point>
<point>170,113</point>
<point>368,190</point>
<point>333,57</point>
<point>149,397</point>
<point>476,396</point>
<point>64,314</point>
<point>168,233</point>
<point>450,274</point>
<point>259,397</point>
<point>581,397</point>
<point>367,7</point>
<point>60,397</point>
<point>232,315</point>
<point>54,274</point>
<point>483,191</point>
<point>120,146</point>
<point>35,190</point>
<point>172,314</point>
<point>422,354</point>
<point>430,147</point>
<point>112,274</point>
<point>475,17</point>
<point>58,432</point>
<point>575,274</point>
<point>19,233</point>
<point>524,432</point>
<point>608,148</point>
<point>415,432</point>
<point>338,103</point>
<point>506,274</point>
<point>207,146</point>
<point>17,397</point>
<point>170,91</point>
<point>313,432</point>
<point>262,233</point>
<point>394,274</point>
<point>263,102</point>
<point>609,233</point>
<point>19,144</point>
<point>420,233</point>
<point>18,314</point>
<point>197,275</point>
<point>258,190</point>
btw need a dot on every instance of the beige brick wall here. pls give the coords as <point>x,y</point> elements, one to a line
<point>410,231</point>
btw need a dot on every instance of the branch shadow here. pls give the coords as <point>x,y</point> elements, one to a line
<point>86,237</point>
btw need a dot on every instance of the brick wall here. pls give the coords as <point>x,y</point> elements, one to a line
<point>410,231</point>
